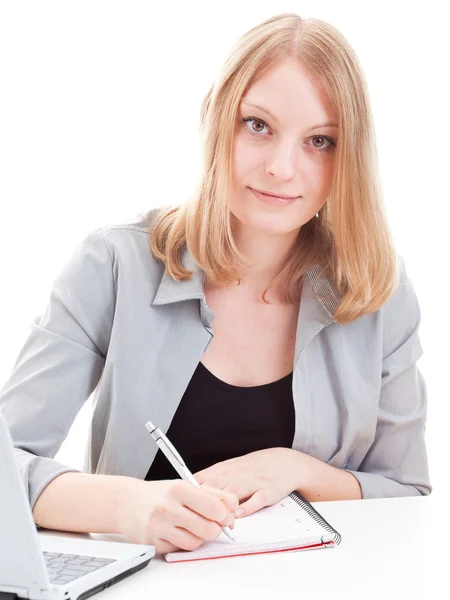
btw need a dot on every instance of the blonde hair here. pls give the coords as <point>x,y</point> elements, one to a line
<point>350,238</point>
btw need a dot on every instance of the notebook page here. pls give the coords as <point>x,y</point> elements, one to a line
<point>282,525</point>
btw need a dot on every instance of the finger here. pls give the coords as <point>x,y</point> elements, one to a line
<point>184,539</point>
<point>206,474</point>
<point>229,499</point>
<point>198,525</point>
<point>162,546</point>
<point>231,489</point>
<point>199,478</point>
<point>171,537</point>
<point>254,503</point>
<point>207,502</point>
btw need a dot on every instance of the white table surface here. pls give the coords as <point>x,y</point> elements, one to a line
<point>390,548</point>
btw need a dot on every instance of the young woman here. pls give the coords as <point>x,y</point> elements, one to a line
<point>267,324</point>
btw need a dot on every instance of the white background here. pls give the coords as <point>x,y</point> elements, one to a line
<point>99,112</point>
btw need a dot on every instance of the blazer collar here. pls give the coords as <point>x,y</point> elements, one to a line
<point>320,296</point>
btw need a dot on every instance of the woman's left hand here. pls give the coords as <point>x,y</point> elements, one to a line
<point>260,478</point>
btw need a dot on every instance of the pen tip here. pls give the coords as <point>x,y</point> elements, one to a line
<point>229,533</point>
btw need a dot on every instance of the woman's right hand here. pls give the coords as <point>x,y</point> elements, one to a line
<point>174,514</point>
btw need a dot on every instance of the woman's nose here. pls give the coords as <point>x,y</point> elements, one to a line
<point>282,163</point>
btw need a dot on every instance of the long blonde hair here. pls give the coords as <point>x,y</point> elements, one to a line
<point>350,238</point>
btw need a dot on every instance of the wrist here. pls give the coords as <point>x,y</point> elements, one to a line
<point>318,481</point>
<point>127,490</point>
<point>303,470</point>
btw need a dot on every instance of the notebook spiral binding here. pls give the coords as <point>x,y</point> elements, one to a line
<point>316,516</point>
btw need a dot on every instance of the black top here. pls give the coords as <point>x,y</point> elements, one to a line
<point>216,421</point>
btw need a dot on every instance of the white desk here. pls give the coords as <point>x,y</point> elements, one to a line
<point>390,549</point>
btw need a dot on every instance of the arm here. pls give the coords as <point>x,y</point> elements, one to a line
<point>321,482</point>
<point>83,502</point>
<point>56,371</point>
<point>396,463</point>
<point>60,364</point>
<point>171,515</point>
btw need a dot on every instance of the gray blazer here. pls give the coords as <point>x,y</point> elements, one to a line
<point>116,326</point>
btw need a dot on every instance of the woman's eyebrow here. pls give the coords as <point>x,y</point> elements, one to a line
<point>327,124</point>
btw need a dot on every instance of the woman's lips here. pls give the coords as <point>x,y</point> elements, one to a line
<point>274,200</point>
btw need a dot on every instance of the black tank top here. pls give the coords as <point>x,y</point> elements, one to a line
<point>216,421</point>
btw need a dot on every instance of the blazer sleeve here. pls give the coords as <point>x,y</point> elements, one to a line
<point>396,463</point>
<point>60,363</point>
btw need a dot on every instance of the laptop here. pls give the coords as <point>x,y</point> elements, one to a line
<point>41,566</point>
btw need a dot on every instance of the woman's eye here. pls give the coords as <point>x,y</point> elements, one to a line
<point>258,122</point>
<point>329,145</point>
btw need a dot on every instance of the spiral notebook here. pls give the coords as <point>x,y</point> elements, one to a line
<point>290,524</point>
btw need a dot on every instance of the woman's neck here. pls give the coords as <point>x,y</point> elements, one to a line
<point>266,255</point>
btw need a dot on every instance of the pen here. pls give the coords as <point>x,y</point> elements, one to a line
<point>177,462</point>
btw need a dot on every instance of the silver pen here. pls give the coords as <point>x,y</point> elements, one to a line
<point>177,462</point>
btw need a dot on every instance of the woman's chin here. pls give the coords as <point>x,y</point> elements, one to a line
<point>269,224</point>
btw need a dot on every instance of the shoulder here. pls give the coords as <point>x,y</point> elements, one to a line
<point>124,241</point>
<point>120,234</point>
<point>119,251</point>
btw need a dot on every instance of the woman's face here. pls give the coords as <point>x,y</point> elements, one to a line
<point>284,149</point>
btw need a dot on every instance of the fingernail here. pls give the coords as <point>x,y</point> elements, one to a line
<point>239,512</point>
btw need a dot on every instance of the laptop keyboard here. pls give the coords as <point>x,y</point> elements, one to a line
<point>64,568</point>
